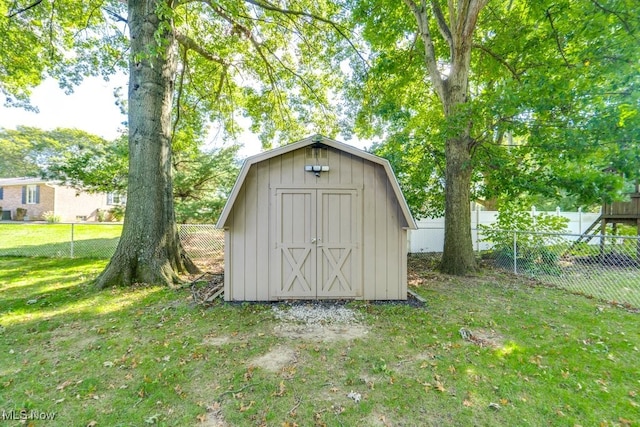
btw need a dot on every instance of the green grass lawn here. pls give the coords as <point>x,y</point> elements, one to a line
<point>54,240</point>
<point>148,356</point>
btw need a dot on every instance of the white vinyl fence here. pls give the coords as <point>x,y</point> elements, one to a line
<point>429,237</point>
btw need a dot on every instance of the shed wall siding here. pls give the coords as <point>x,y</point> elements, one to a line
<point>249,255</point>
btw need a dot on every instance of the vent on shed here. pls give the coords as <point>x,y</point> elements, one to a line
<point>313,153</point>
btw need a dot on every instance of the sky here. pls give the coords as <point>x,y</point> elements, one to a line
<point>92,108</point>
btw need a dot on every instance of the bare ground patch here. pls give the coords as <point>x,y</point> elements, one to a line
<point>276,359</point>
<point>485,338</point>
<point>319,322</point>
<point>321,333</point>
<point>216,341</point>
<point>214,417</point>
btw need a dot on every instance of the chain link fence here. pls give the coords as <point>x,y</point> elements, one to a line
<point>203,243</point>
<point>600,266</point>
<point>605,267</point>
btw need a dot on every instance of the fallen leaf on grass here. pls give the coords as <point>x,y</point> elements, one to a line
<point>179,391</point>
<point>383,419</point>
<point>64,385</point>
<point>153,419</point>
<point>244,408</point>
<point>467,403</point>
<point>92,423</point>
<point>249,374</point>
<point>281,390</point>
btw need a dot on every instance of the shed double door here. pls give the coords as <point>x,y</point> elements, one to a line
<point>317,254</point>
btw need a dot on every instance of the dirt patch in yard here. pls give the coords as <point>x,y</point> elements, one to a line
<point>276,359</point>
<point>483,337</point>
<point>216,341</point>
<point>321,333</point>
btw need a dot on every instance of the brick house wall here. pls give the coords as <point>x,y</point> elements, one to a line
<point>66,202</point>
<point>35,210</point>
<point>12,199</point>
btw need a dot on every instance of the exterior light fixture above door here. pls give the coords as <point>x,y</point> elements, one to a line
<point>316,169</point>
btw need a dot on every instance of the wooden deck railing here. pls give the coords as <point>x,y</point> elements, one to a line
<point>630,209</point>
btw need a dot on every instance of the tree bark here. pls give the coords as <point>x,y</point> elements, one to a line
<point>458,257</point>
<point>451,86</point>
<point>149,250</point>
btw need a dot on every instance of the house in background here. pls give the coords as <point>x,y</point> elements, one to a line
<point>28,199</point>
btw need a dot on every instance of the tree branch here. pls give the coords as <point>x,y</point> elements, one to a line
<point>191,44</point>
<point>179,94</point>
<point>115,15</point>
<point>472,16</point>
<point>24,9</point>
<point>268,6</point>
<point>556,37</point>
<point>420,14</point>
<point>248,34</point>
<point>442,25</point>
<point>625,24</point>
<point>498,58</point>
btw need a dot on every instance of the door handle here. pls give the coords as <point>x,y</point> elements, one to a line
<point>313,240</point>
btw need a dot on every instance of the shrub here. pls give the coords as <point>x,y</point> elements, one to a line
<point>535,239</point>
<point>20,214</point>
<point>50,217</point>
<point>117,213</point>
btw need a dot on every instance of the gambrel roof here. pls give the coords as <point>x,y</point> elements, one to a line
<point>315,139</point>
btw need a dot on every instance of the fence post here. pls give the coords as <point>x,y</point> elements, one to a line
<point>533,214</point>
<point>580,220</point>
<point>478,228</point>
<point>72,230</point>
<point>515,252</point>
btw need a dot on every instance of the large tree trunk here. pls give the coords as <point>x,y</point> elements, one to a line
<point>149,250</point>
<point>458,257</point>
<point>452,89</point>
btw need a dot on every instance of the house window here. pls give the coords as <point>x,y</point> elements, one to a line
<point>115,199</point>
<point>32,195</point>
<point>1,193</point>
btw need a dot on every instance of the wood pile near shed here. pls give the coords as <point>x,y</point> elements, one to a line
<point>207,287</point>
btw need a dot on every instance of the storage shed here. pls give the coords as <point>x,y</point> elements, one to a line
<point>316,219</point>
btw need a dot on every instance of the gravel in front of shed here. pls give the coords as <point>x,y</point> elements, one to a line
<point>316,314</point>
